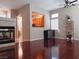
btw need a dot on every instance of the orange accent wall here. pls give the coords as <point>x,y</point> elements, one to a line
<point>38,22</point>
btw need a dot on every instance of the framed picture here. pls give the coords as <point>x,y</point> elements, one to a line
<point>37,19</point>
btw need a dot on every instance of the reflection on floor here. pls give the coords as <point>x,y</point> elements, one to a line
<point>58,49</point>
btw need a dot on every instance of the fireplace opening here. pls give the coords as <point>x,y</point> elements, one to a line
<point>7,34</point>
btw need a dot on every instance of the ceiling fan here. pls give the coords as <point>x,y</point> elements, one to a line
<point>69,3</point>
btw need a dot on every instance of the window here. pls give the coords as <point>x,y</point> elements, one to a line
<point>54,21</point>
<point>54,15</point>
<point>5,13</point>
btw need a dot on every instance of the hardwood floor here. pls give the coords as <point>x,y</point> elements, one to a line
<point>58,49</point>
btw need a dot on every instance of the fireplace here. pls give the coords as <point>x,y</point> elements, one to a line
<point>7,34</point>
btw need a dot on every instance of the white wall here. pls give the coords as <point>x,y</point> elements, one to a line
<point>73,12</point>
<point>61,33</point>
<point>7,21</point>
<point>36,33</point>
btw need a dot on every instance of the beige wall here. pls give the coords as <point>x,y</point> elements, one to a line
<point>14,13</point>
<point>25,13</point>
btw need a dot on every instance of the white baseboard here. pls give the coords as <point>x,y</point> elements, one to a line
<point>32,39</point>
<point>60,38</point>
<point>43,39</point>
<point>36,39</point>
<point>76,38</point>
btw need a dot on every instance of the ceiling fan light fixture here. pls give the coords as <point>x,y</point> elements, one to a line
<point>69,3</point>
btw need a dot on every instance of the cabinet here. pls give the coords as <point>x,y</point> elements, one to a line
<point>49,34</point>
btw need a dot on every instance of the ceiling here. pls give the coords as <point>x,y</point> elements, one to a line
<point>44,4</point>
<point>35,14</point>
<point>12,4</point>
<point>48,4</point>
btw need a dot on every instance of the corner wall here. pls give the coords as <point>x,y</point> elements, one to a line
<point>36,33</point>
<point>32,33</point>
<point>25,13</point>
<point>74,14</point>
<point>61,33</point>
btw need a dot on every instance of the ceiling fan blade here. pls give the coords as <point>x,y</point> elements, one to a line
<point>77,4</point>
<point>73,1</point>
<point>66,1</point>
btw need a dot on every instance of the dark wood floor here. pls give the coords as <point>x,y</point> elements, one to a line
<point>58,49</point>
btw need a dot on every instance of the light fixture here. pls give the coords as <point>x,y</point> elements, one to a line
<point>68,18</point>
<point>69,3</point>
